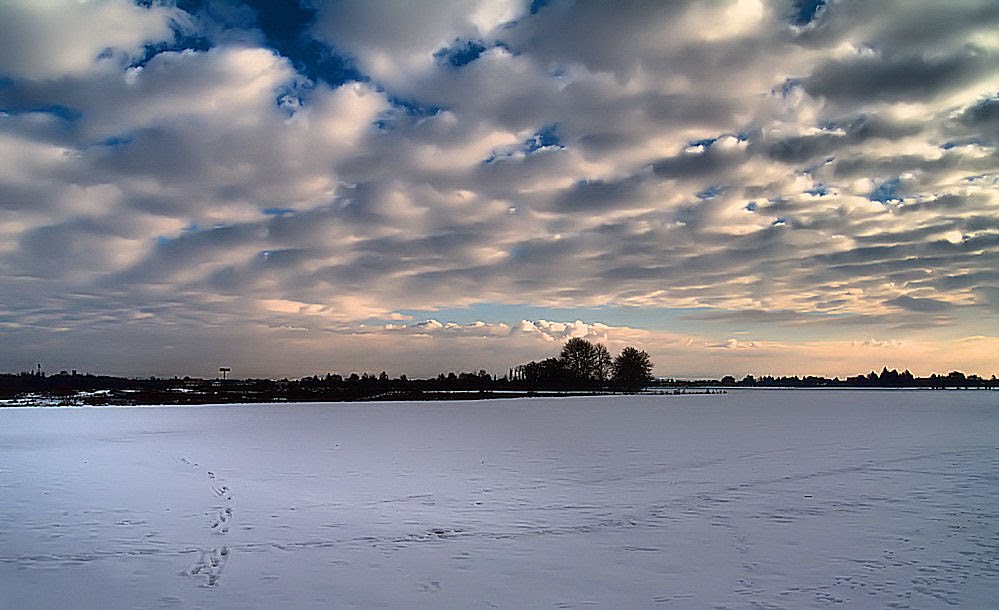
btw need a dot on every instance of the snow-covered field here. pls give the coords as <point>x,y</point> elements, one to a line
<point>770,499</point>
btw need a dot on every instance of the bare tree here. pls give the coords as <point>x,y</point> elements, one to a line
<point>584,361</point>
<point>605,364</point>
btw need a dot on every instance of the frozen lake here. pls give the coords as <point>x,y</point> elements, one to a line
<point>769,499</point>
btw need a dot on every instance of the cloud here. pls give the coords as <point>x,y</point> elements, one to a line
<point>869,77</point>
<point>985,111</point>
<point>183,169</point>
<point>51,40</point>
<point>919,304</point>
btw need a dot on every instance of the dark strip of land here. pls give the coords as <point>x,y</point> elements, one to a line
<point>86,389</point>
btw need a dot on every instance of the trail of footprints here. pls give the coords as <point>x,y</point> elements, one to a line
<point>211,561</point>
<point>221,521</point>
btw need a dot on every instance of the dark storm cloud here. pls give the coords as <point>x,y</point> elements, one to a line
<point>985,112</point>
<point>895,79</point>
<point>922,305</point>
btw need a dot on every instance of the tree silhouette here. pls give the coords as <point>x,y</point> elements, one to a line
<point>633,368</point>
<point>584,361</point>
<point>605,364</point>
<point>547,371</point>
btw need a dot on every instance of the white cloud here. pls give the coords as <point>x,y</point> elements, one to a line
<point>395,42</point>
<point>49,39</point>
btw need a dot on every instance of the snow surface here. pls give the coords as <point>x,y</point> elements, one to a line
<point>770,499</point>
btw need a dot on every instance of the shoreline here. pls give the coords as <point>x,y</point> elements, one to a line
<point>131,398</point>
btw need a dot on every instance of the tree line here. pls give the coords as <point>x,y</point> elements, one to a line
<point>580,367</point>
<point>886,379</point>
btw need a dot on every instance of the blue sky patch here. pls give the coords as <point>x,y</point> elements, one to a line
<point>116,142</point>
<point>544,138</point>
<point>408,107</point>
<point>285,28</point>
<point>958,143</point>
<point>705,142</point>
<point>806,10</point>
<point>181,42</point>
<point>886,192</point>
<point>57,110</point>
<point>786,87</point>
<point>711,192</point>
<point>460,53</point>
<point>537,5</point>
<point>414,108</point>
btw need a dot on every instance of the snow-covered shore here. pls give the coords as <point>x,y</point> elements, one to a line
<point>749,499</point>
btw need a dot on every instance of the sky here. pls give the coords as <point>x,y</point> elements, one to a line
<point>737,187</point>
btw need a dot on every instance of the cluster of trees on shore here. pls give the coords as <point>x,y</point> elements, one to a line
<point>585,364</point>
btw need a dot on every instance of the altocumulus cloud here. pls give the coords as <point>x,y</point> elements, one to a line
<point>290,189</point>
